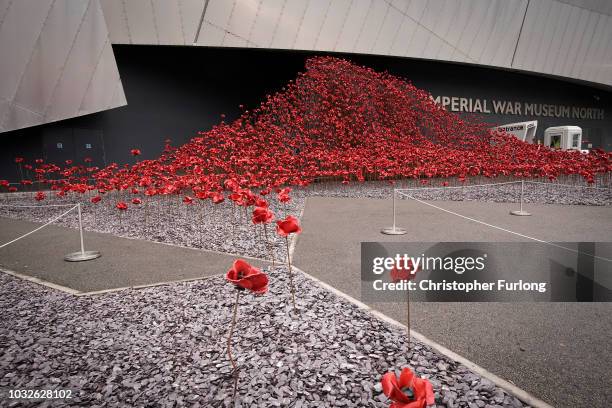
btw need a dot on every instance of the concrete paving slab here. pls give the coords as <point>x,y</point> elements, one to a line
<point>559,352</point>
<point>124,262</point>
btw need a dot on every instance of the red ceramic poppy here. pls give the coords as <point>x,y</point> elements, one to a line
<point>122,206</point>
<point>218,198</point>
<point>96,199</point>
<point>289,225</point>
<point>188,200</point>
<point>245,276</point>
<point>18,159</point>
<point>40,196</point>
<point>261,215</point>
<point>136,201</point>
<point>399,273</point>
<point>135,152</point>
<point>409,391</point>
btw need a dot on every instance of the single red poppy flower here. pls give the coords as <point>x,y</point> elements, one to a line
<point>4,183</point>
<point>261,215</point>
<point>18,159</point>
<point>409,391</point>
<point>96,199</point>
<point>12,189</point>
<point>121,206</point>
<point>136,201</point>
<point>40,196</point>
<point>218,198</point>
<point>188,200</point>
<point>135,152</point>
<point>245,276</point>
<point>261,203</point>
<point>289,225</point>
<point>284,197</point>
<point>398,273</point>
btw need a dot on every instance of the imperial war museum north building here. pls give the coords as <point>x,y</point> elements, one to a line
<point>95,78</point>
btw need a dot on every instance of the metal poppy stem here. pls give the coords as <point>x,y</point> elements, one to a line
<point>290,274</point>
<point>408,317</point>
<point>229,343</point>
<point>269,246</point>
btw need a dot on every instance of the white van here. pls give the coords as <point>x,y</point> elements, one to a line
<point>524,131</point>
<point>563,137</point>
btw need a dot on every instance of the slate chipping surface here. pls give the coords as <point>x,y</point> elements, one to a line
<point>225,228</point>
<point>165,346</point>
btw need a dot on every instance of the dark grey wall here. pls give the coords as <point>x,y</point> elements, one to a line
<point>174,92</point>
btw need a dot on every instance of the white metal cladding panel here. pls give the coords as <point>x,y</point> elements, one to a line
<point>439,25</point>
<point>217,18</point>
<point>431,40</point>
<point>388,32</point>
<point>289,23</point>
<point>598,54</point>
<point>67,68</point>
<point>80,66</point>
<point>544,36</point>
<point>311,24</point>
<point>355,20</point>
<point>168,21</point>
<point>191,12</point>
<point>141,21</point>
<point>556,43</point>
<point>371,26</point>
<point>116,21</point>
<point>585,44</point>
<point>17,40</point>
<point>332,26</point>
<point>605,70</point>
<point>49,55</point>
<point>600,6</point>
<point>564,40</point>
<point>241,23</point>
<point>570,41</point>
<point>266,22</point>
<point>561,37</point>
<point>99,91</point>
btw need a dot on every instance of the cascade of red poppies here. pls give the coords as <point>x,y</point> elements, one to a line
<point>335,120</point>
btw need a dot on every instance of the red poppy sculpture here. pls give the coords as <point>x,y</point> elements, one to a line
<point>284,228</point>
<point>407,391</point>
<point>262,215</point>
<point>244,277</point>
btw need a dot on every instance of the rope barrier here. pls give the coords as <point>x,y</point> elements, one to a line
<point>566,185</point>
<point>37,206</point>
<point>451,187</point>
<point>504,229</point>
<point>39,228</point>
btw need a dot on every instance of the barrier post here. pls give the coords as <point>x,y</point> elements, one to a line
<point>393,230</point>
<point>520,212</point>
<point>82,255</point>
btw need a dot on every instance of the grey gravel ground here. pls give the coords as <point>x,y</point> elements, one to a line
<point>165,346</point>
<point>222,227</point>
<point>228,229</point>
<point>577,193</point>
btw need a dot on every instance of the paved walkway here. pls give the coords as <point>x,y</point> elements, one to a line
<point>124,262</point>
<point>559,352</point>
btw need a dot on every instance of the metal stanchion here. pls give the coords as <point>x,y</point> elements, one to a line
<point>520,212</point>
<point>81,255</point>
<point>393,230</point>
